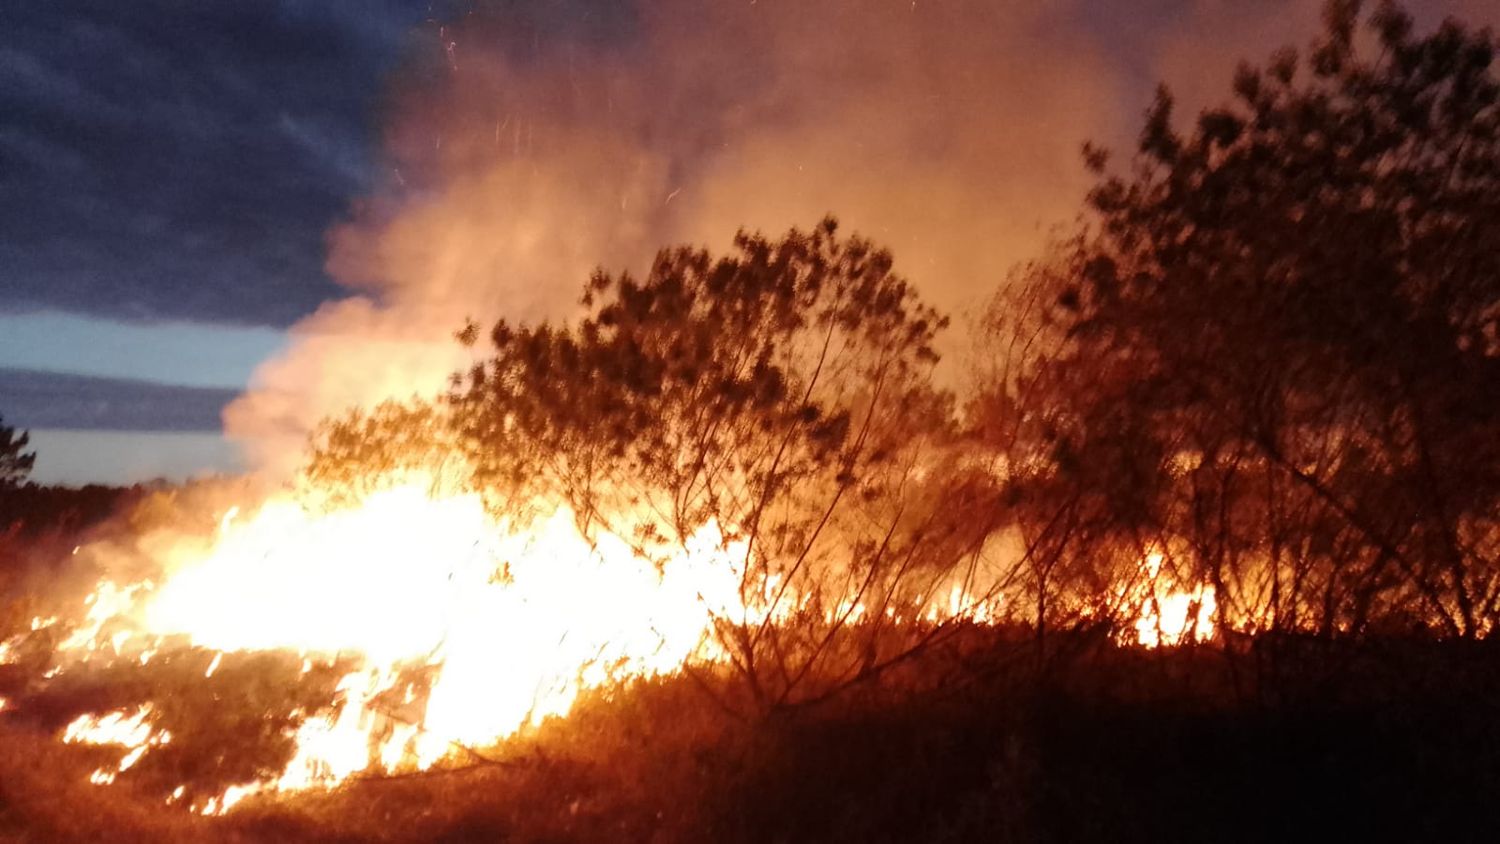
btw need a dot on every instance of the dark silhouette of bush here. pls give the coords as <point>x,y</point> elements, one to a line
<point>1270,354</point>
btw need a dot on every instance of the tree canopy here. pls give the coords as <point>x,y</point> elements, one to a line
<point>781,394</point>
<point>1264,369</point>
<point>15,461</point>
<point>1276,347</point>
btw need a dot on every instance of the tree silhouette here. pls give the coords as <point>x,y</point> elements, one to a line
<point>15,461</point>
<point>1273,354</point>
<point>782,393</point>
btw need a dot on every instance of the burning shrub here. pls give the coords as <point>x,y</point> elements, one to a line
<point>1270,357</point>
<point>782,394</point>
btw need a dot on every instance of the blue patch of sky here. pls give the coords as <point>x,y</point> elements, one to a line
<point>185,353</point>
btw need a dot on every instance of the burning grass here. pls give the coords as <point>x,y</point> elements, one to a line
<point>409,668</point>
<point>737,471</point>
<point>292,649</point>
<point>1107,743</point>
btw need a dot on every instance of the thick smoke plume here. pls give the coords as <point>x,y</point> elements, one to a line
<point>530,143</point>
<point>529,146</point>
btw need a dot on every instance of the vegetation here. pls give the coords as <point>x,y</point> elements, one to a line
<point>1123,745</point>
<point>782,395</point>
<point>1272,354</point>
<point>1262,373</point>
<point>15,461</point>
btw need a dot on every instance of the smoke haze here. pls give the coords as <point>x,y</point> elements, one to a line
<point>530,143</point>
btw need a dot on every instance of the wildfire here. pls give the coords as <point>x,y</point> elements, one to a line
<point>1172,616</point>
<point>504,625</point>
<point>129,729</point>
<point>512,625</point>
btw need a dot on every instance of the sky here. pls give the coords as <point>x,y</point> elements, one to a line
<point>220,222</point>
<point>167,173</point>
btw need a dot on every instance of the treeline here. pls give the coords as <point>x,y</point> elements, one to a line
<point>1261,375</point>
<point>33,509</point>
<point>1273,355</point>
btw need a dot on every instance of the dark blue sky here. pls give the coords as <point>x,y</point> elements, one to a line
<point>168,171</point>
<point>181,160</point>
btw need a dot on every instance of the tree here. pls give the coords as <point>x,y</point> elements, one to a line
<point>1277,342</point>
<point>15,461</point>
<point>368,449</point>
<point>781,395</point>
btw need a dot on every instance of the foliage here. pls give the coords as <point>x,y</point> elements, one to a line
<point>1273,355</point>
<point>364,450</point>
<point>1269,360</point>
<point>34,509</point>
<point>15,461</point>
<point>781,395</point>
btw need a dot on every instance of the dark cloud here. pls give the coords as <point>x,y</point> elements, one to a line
<point>31,399</point>
<point>168,159</point>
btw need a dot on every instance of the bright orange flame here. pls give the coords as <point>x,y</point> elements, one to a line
<point>514,624</point>
<point>510,624</point>
<point>1173,616</point>
<point>130,730</point>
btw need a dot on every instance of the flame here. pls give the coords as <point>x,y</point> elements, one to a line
<point>515,624</point>
<point>508,624</point>
<point>125,728</point>
<point>1172,616</point>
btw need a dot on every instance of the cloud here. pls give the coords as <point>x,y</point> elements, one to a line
<point>31,399</point>
<point>194,354</point>
<point>169,160</point>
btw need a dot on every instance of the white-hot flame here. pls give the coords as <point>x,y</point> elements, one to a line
<point>514,624</point>
<point>507,626</point>
<point>126,728</point>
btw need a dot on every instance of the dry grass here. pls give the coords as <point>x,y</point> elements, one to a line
<point>1119,745</point>
<point>45,795</point>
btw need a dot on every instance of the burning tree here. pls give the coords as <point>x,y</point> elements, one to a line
<point>1272,354</point>
<point>783,393</point>
<point>781,396</point>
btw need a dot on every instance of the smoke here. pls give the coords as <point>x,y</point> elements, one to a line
<point>529,143</point>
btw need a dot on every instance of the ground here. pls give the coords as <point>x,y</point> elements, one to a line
<point>1266,741</point>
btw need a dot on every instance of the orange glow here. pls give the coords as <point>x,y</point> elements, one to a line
<point>130,730</point>
<point>508,625</point>
<point>515,624</point>
<point>1172,616</point>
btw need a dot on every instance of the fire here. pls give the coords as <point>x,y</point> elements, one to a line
<point>129,729</point>
<point>502,625</point>
<point>1172,616</point>
<point>513,624</point>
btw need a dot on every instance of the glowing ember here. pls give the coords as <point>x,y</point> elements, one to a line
<point>127,729</point>
<point>131,730</point>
